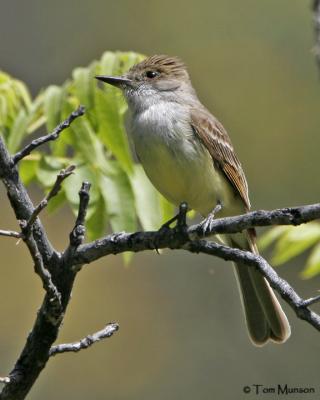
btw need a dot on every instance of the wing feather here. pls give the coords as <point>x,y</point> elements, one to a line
<point>215,138</point>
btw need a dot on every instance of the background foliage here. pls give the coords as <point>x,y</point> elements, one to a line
<point>291,241</point>
<point>97,144</point>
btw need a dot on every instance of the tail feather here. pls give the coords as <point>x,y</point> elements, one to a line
<point>264,315</point>
<point>257,324</point>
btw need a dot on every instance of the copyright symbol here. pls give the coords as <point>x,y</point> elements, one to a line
<point>246,389</point>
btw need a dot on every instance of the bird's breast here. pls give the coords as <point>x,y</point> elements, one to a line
<point>174,159</point>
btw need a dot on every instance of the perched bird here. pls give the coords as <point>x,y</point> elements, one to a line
<point>188,156</point>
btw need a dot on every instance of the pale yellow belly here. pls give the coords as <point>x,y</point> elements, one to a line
<point>187,173</point>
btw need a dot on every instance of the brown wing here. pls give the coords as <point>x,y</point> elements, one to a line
<point>215,138</point>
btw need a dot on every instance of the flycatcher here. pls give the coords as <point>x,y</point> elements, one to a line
<point>188,156</point>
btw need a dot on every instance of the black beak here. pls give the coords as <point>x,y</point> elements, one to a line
<point>114,80</point>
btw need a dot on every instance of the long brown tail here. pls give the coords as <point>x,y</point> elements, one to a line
<point>264,315</point>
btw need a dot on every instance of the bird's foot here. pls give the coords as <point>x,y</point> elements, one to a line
<point>206,224</point>
<point>181,218</point>
<point>180,227</point>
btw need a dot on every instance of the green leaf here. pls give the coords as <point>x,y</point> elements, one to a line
<point>36,114</point>
<point>313,264</point>
<point>52,106</point>
<point>295,241</point>
<point>3,111</point>
<point>147,200</point>
<point>28,169</point>
<point>111,128</point>
<point>96,223</point>
<point>15,102</point>
<point>118,196</point>
<point>19,129</point>
<point>108,63</point>
<point>22,92</point>
<point>117,63</point>
<point>271,235</point>
<point>48,169</point>
<point>84,85</point>
<point>73,184</point>
<point>84,89</point>
<point>64,146</point>
<point>88,146</point>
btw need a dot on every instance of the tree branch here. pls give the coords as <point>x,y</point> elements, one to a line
<point>51,136</point>
<point>63,174</point>
<point>188,239</point>
<point>44,274</point>
<point>286,291</point>
<point>253,219</point>
<point>77,234</point>
<point>86,342</point>
<point>10,234</point>
<point>57,276</point>
<point>172,238</point>
<point>26,234</point>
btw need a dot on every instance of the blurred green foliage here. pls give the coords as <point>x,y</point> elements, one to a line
<point>96,143</point>
<point>291,241</point>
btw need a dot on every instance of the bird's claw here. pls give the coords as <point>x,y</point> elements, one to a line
<point>207,223</point>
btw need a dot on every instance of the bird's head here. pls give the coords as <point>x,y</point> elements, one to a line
<point>157,78</point>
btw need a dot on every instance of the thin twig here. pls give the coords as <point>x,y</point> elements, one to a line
<point>86,342</point>
<point>44,273</point>
<point>78,232</point>
<point>10,234</point>
<point>312,300</point>
<point>51,136</point>
<point>63,174</point>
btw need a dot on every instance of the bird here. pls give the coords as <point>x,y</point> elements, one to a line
<point>188,156</point>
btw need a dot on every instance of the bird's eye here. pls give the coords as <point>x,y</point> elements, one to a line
<point>152,74</point>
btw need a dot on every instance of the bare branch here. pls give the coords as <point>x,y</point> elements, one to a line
<point>86,342</point>
<point>63,174</point>
<point>42,271</point>
<point>10,234</point>
<point>312,300</point>
<point>26,226</point>
<point>51,136</point>
<point>253,219</point>
<point>57,280</point>
<point>22,204</point>
<point>187,239</point>
<point>170,238</point>
<point>78,232</point>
